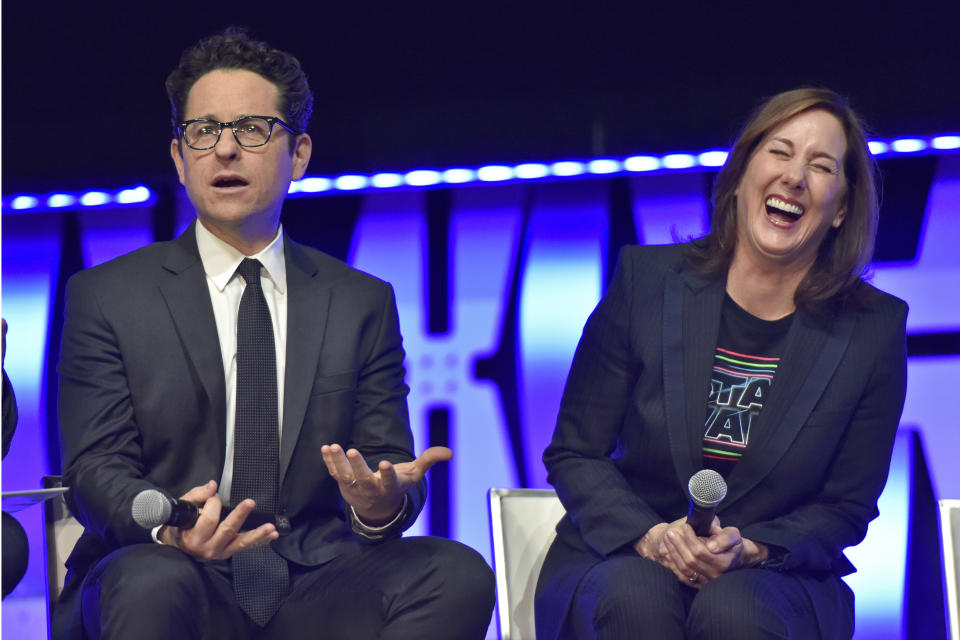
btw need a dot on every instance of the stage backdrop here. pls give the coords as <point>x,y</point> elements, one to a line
<point>494,281</point>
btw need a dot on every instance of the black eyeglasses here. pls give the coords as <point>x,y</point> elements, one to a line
<point>249,131</point>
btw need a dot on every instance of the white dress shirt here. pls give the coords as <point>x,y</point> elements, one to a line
<point>220,262</point>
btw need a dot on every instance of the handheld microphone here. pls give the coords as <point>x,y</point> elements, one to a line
<point>707,489</point>
<point>151,508</point>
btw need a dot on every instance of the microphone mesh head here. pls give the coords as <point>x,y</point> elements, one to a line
<point>707,488</point>
<point>150,509</point>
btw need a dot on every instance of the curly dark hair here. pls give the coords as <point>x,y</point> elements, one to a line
<point>234,49</point>
<point>846,251</point>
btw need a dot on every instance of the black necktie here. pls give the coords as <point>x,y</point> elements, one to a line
<point>260,576</point>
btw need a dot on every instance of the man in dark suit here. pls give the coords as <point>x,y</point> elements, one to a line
<point>299,534</point>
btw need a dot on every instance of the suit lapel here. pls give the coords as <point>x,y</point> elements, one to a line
<point>812,354</point>
<point>691,320</point>
<point>188,299</point>
<point>307,308</point>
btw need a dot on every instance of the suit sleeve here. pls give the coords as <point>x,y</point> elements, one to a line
<point>381,425</point>
<point>10,416</point>
<point>101,443</point>
<point>600,502</point>
<point>814,534</point>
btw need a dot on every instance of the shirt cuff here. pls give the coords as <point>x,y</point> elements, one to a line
<point>776,560</point>
<point>383,531</point>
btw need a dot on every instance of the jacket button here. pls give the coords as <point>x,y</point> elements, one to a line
<point>283,525</point>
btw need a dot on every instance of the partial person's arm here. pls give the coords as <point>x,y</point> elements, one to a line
<point>381,483</point>
<point>101,443</point>
<point>103,456</point>
<point>10,415</point>
<point>815,534</point>
<point>607,511</point>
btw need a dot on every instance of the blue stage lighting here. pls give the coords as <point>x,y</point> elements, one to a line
<point>94,198</point>
<point>712,158</point>
<point>351,182</point>
<point>134,196</point>
<point>604,166</point>
<point>709,159</point>
<point>24,202</point>
<point>422,178</point>
<point>494,173</point>
<point>679,161</point>
<point>58,200</point>
<point>459,176</point>
<point>908,145</point>
<point>312,185</point>
<point>386,180</point>
<point>945,142</point>
<point>566,168</point>
<point>139,195</point>
<point>641,163</point>
<point>531,170</point>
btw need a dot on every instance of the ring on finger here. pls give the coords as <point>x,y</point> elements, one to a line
<point>693,579</point>
<point>353,484</point>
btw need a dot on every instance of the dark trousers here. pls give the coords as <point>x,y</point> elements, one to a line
<point>629,597</point>
<point>400,588</point>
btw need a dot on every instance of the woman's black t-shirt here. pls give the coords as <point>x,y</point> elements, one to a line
<point>744,364</point>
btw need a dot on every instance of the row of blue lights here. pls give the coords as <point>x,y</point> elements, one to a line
<point>503,173</point>
<point>313,185</point>
<point>569,168</point>
<point>132,196</point>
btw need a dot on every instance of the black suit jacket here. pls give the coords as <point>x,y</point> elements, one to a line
<point>630,427</point>
<point>142,398</point>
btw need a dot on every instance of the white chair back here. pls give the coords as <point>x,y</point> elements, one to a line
<point>61,532</point>
<point>950,537</point>
<point>522,526</point>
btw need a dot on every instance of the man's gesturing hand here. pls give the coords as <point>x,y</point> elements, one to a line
<point>210,539</point>
<point>377,496</point>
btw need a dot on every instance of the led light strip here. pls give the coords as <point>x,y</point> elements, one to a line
<point>493,173</point>
<point>138,195</point>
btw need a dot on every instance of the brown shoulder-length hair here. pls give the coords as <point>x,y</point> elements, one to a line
<point>846,250</point>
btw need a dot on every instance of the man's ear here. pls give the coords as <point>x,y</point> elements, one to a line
<point>177,155</point>
<point>301,155</point>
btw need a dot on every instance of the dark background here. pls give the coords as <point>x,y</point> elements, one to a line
<point>414,85</point>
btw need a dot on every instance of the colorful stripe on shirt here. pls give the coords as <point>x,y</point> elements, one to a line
<point>738,390</point>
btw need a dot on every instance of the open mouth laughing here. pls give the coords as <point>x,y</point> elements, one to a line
<point>782,212</point>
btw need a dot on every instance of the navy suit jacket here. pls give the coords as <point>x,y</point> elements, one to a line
<point>630,428</point>
<point>142,398</point>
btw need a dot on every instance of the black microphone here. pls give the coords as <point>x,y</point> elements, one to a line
<point>707,489</point>
<point>151,508</point>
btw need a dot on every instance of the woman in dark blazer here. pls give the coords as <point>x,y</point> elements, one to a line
<point>759,352</point>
